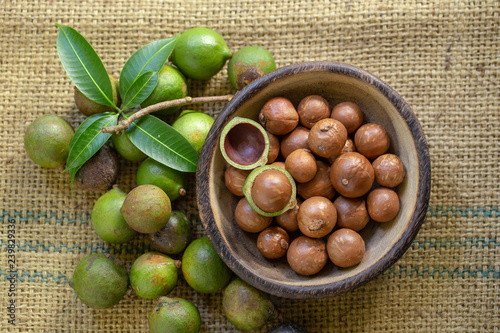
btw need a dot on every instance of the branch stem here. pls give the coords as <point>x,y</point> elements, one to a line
<point>125,123</point>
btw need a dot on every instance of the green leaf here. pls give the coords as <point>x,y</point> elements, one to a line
<point>140,90</point>
<point>89,138</point>
<point>150,57</point>
<point>164,144</point>
<point>84,67</point>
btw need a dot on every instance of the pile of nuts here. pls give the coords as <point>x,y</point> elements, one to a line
<point>334,172</point>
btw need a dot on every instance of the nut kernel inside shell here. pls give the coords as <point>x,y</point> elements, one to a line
<point>270,190</point>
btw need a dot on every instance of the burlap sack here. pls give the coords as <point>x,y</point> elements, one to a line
<point>441,56</point>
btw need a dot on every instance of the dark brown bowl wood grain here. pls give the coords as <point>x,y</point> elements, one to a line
<point>385,242</point>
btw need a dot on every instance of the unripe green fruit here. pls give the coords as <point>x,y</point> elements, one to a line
<point>194,126</point>
<point>174,315</point>
<point>200,53</point>
<point>89,107</point>
<point>202,267</point>
<point>126,148</point>
<point>153,275</point>
<point>171,85</point>
<point>100,281</point>
<point>146,209</point>
<point>248,64</point>
<point>171,181</point>
<point>47,141</point>
<point>107,219</point>
<point>246,307</point>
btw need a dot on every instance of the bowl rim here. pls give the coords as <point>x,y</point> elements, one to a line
<point>393,255</point>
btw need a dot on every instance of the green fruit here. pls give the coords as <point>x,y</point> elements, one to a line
<point>246,307</point>
<point>203,269</point>
<point>107,220</point>
<point>175,236</point>
<point>146,209</point>
<point>171,85</point>
<point>100,172</point>
<point>249,64</point>
<point>100,281</point>
<point>47,141</point>
<point>126,148</point>
<point>89,107</point>
<point>194,126</point>
<point>174,315</point>
<point>171,181</point>
<point>200,53</point>
<point>153,275</point>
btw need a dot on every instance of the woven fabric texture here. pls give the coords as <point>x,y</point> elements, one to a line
<point>441,56</point>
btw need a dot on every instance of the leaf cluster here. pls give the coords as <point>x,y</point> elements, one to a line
<point>138,79</point>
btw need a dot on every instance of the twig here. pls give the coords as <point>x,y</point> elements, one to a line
<point>125,123</point>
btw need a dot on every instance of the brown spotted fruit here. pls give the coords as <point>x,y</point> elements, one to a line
<point>153,275</point>
<point>174,314</point>
<point>248,64</point>
<point>202,267</point>
<point>100,281</point>
<point>246,307</point>
<point>100,172</point>
<point>147,209</point>
<point>174,236</point>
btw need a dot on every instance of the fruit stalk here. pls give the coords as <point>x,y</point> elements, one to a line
<point>125,123</point>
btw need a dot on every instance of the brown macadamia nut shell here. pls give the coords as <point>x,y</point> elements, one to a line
<point>371,140</point>
<point>317,217</point>
<point>312,109</point>
<point>234,179</point>
<point>248,219</point>
<point>320,185</point>
<point>389,170</point>
<point>273,242</point>
<point>307,256</point>
<point>301,164</point>
<point>345,247</point>
<point>382,204</point>
<point>349,114</point>
<point>288,220</point>
<point>351,213</point>
<point>327,137</point>
<point>294,140</point>
<point>352,175</point>
<point>279,116</point>
<point>274,148</point>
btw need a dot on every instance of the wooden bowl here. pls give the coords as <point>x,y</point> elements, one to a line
<point>385,242</point>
